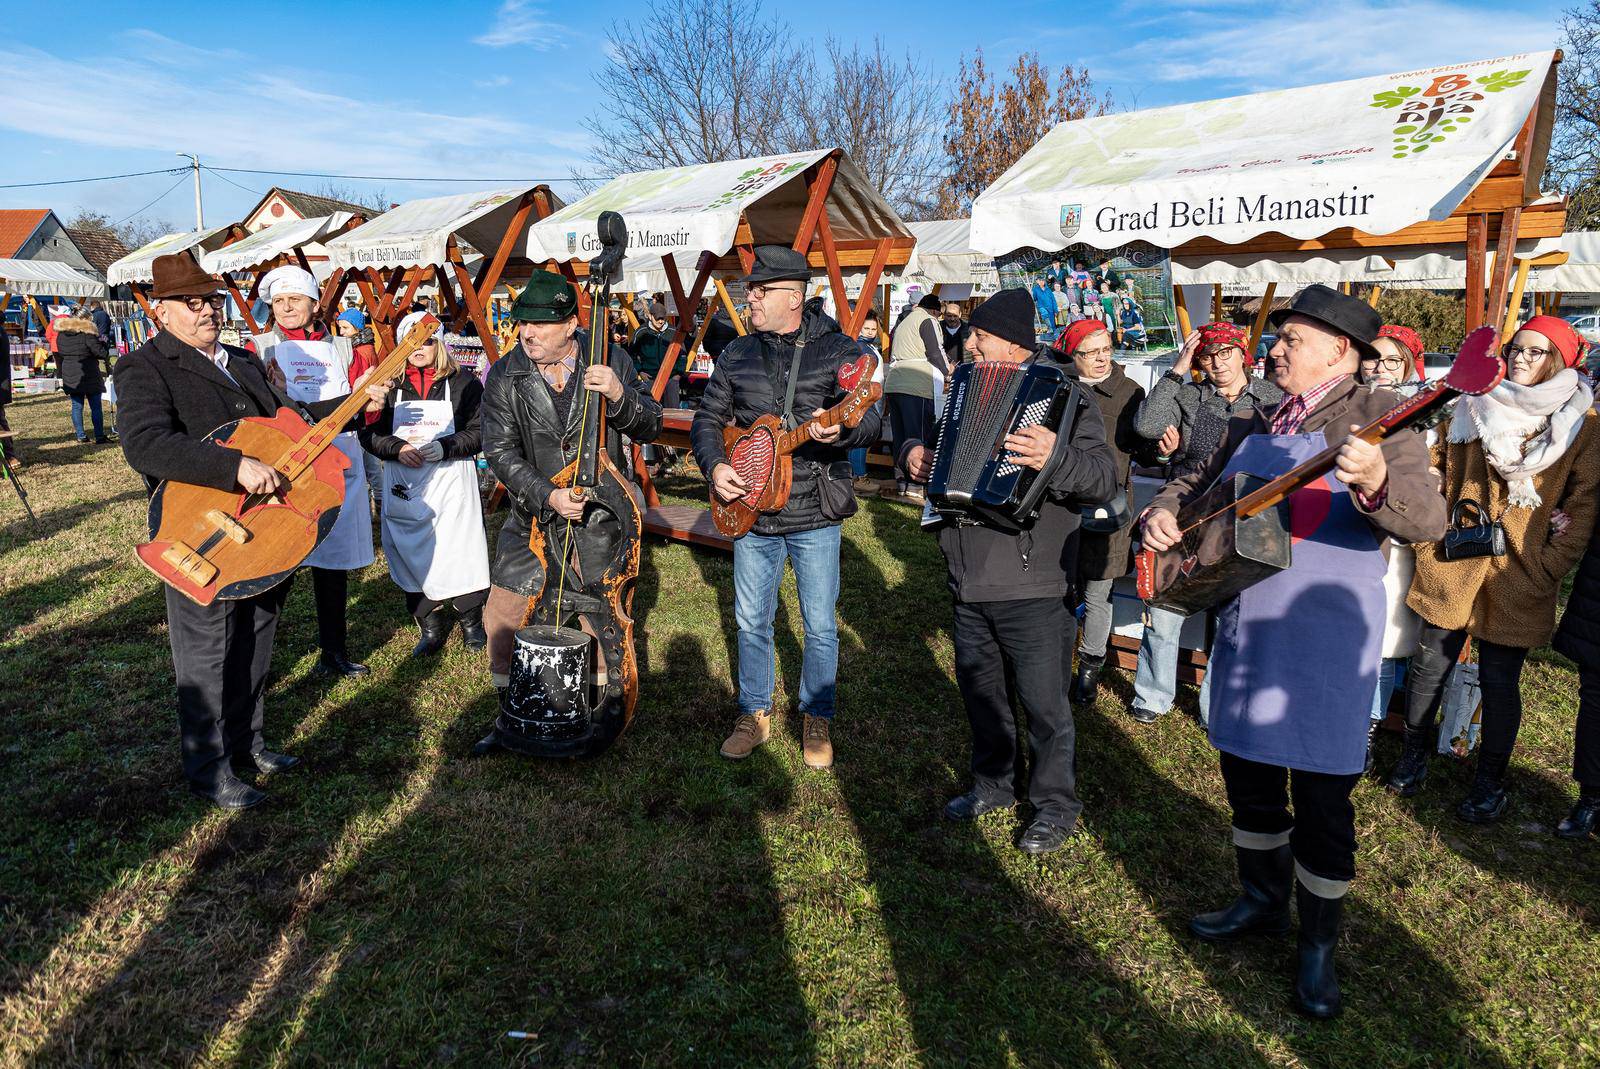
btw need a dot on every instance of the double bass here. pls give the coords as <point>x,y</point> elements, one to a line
<point>574,679</point>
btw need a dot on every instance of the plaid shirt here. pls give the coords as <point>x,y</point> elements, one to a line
<point>1294,410</point>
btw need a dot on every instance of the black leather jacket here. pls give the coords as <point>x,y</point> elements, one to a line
<point>526,445</point>
<point>749,381</point>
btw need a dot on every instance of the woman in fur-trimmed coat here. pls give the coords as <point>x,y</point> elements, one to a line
<point>84,362</point>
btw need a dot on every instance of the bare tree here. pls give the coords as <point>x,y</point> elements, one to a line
<point>724,80</point>
<point>135,233</point>
<point>1574,163</point>
<point>375,201</point>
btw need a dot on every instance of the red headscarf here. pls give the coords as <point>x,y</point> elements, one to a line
<point>1077,334</point>
<point>1222,335</point>
<point>1408,339</point>
<point>1568,343</point>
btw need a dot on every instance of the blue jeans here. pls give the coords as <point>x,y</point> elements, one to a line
<point>757,574</point>
<point>1155,684</point>
<point>1391,674</point>
<point>94,415</point>
<point>858,462</point>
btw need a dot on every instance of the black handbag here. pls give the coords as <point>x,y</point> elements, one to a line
<point>1482,537</point>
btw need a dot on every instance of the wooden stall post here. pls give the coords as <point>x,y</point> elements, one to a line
<point>1183,313</point>
<point>1260,325</point>
<point>1505,252</point>
<point>1477,252</point>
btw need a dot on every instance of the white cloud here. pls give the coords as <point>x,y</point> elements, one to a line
<point>519,22</point>
<point>160,94</point>
<point>499,81</point>
<point>1253,47</point>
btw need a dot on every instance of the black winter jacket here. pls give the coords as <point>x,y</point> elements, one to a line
<point>466,399</point>
<point>169,397</point>
<point>1578,636</point>
<point>526,445</point>
<point>986,564</point>
<point>82,358</point>
<point>750,381</point>
<point>1108,556</point>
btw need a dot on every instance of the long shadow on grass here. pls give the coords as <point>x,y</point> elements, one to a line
<point>17,531</point>
<point>991,974</point>
<point>623,910</point>
<point>189,967</point>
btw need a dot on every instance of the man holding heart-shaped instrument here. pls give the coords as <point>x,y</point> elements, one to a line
<point>794,364</point>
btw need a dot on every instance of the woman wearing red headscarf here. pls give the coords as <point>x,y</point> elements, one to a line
<point>1399,358</point>
<point>1525,454</point>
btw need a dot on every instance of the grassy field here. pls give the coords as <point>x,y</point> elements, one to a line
<point>398,903</point>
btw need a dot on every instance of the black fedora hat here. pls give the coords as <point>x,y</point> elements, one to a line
<point>1339,312</point>
<point>778,263</point>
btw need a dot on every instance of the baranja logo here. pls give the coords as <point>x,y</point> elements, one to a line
<point>1427,116</point>
<point>1071,220</point>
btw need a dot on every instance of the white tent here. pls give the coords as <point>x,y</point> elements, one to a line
<point>417,233</point>
<point>684,211</point>
<point>1374,154</point>
<point>1581,272</point>
<point>269,243</point>
<point>944,256</point>
<point>47,278</point>
<point>1398,267</point>
<point>136,266</point>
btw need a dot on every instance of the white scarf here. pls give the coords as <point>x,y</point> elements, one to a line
<point>1525,429</point>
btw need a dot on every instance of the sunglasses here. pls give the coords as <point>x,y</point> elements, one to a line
<point>195,304</point>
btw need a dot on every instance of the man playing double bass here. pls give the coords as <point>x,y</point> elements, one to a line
<point>532,408</point>
<point>1295,656</point>
<point>173,391</point>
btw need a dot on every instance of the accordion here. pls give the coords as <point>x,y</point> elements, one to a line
<point>973,480</point>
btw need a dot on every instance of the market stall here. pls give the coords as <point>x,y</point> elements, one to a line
<point>136,270</point>
<point>429,240</point>
<point>816,202</point>
<point>1357,174</point>
<point>30,281</point>
<point>247,256</point>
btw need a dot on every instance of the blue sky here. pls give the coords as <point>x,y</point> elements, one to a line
<point>498,89</point>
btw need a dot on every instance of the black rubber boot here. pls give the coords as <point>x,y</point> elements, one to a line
<point>1316,988</point>
<point>1086,680</point>
<point>435,632</point>
<point>1411,771</point>
<point>473,636</point>
<point>1265,877</point>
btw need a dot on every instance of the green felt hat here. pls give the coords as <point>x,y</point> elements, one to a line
<point>548,298</point>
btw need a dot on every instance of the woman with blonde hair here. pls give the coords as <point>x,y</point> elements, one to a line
<point>432,517</point>
<point>1523,457</point>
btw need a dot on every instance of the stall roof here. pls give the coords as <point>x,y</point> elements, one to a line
<point>944,255</point>
<point>136,266</point>
<point>1375,154</point>
<point>269,243</point>
<point>1581,272</point>
<point>690,210</point>
<point>47,278</point>
<point>1400,267</point>
<point>417,233</point>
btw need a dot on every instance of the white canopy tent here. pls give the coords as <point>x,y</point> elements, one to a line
<point>1581,272</point>
<point>48,278</point>
<point>136,267</point>
<point>1376,154</point>
<point>1401,267</point>
<point>944,257</point>
<point>418,233</point>
<point>269,243</point>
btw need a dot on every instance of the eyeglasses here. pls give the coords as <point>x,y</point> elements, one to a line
<point>1390,363</point>
<point>195,304</point>
<point>1532,356</point>
<point>1094,354</point>
<point>761,293</point>
<point>1217,356</point>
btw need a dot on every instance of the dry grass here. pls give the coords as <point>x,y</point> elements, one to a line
<point>398,903</point>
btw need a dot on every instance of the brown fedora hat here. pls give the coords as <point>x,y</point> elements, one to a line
<point>178,275</point>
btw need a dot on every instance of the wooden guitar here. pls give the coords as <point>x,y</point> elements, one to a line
<point>1232,539</point>
<point>209,544</point>
<point>761,452</point>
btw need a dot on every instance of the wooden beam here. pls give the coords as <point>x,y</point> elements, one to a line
<point>1504,254</point>
<point>1477,251</point>
<point>1182,308</point>
<point>1515,304</point>
<point>491,351</point>
<point>858,314</point>
<point>518,224</point>
<point>830,259</point>
<point>1373,294</point>
<point>244,305</point>
<point>1259,327</point>
<point>733,309</point>
<point>686,304</point>
<point>819,182</point>
<point>144,302</point>
<point>1216,302</point>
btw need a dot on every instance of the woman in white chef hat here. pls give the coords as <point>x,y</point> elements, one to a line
<point>432,516</point>
<point>318,365</point>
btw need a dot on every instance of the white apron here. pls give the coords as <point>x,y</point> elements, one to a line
<point>432,526</point>
<point>314,371</point>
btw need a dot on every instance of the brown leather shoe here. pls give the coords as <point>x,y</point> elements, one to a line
<point>749,731</point>
<point>818,747</point>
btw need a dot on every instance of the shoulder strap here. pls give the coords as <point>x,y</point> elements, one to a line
<point>789,421</point>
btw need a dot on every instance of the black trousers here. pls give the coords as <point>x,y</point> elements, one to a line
<point>331,589</point>
<point>1322,826</point>
<point>1021,640</point>
<point>221,654</point>
<point>1586,740</point>
<point>1499,676</point>
<point>419,606</point>
<point>910,417</point>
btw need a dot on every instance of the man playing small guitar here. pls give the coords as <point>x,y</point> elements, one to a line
<point>788,366</point>
<point>175,390</point>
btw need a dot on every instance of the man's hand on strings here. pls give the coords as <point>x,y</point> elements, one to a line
<point>727,484</point>
<point>602,380</point>
<point>257,476</point>
<point>565,505</point>
<point>1161,531</point>
<point>828,435</point>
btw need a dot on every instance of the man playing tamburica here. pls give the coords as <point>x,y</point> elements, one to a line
<point>1295,656</point>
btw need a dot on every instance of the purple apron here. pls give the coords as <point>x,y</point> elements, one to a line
<point>1295,658</point>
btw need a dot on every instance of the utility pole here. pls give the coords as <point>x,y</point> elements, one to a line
<point>194,165</point>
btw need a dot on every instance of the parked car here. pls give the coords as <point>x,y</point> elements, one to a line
<point>1587,326</point>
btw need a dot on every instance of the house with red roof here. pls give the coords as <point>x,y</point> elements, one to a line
<point>38,234</point>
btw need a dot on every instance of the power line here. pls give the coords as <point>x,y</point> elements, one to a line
<point>181,179</point>
<point>80,181</point>
<point>398,178</point>
<point>230,181</point>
